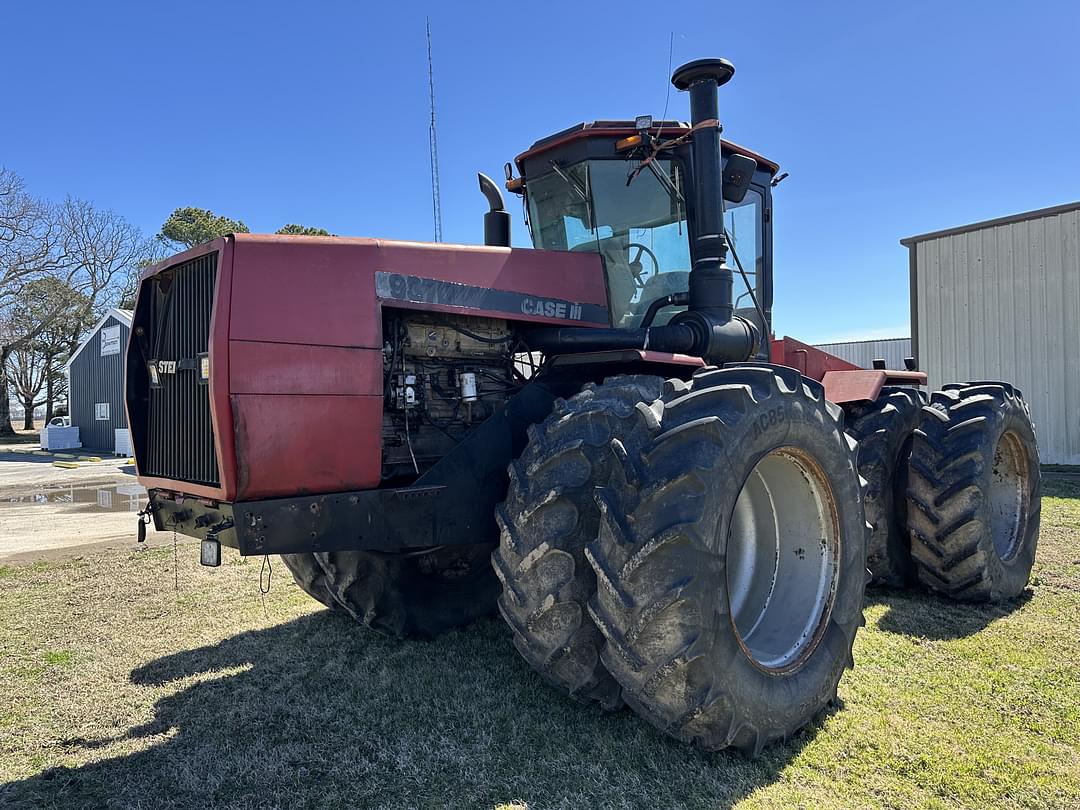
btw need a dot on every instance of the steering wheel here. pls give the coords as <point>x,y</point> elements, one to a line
<point>635,263</point>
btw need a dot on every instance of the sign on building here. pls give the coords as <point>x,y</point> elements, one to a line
<point>110,340</point>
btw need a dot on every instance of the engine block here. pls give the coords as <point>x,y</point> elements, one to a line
<point>443,374</point>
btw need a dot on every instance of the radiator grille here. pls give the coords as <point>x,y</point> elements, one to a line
<point>180,436</point>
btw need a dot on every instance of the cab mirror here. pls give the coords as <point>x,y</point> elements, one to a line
<point>738,172</point>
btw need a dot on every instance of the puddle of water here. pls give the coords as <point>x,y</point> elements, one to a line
<point>114,498</point>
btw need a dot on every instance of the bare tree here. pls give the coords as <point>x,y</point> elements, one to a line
<point>35,369</point>
<point>89,251</point>
<point>103,249</point>
<point>27,374</point>
<point>154,250</point>
<point>30,249</point>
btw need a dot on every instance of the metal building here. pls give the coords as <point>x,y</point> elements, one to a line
<point>863,353</point>
<point>96,385</point>
<point>1000,300</point>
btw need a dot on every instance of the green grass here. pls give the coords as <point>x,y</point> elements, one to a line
<point>58,657</point>
<point>118,691</point>
<point>7,571</point>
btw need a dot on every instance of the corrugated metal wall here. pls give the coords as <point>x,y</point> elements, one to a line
<point>93,379</point>
<point>1003,302</point>
<point>863,353</point>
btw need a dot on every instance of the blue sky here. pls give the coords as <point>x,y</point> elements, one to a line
<point>893,119</point>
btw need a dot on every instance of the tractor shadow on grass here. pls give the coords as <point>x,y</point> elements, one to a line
<point>318,712</point>
<point>925,615</point>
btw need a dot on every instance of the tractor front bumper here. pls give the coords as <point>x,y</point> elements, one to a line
<point>375,520</point>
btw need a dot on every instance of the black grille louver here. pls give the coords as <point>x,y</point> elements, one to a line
<point>180,436</point>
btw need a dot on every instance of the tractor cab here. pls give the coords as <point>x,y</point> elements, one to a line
<point>621,189</point>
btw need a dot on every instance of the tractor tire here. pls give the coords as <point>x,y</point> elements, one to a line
<point>422,593</point>
<point>974,493</point>
<point>311,578</point>
<point>884,429</point>
<point>548,517</point>
<point>731,558</point>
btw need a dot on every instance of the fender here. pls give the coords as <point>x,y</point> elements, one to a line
<point>843,381</point>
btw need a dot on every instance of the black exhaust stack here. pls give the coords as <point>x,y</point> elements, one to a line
<point>708,328</point>
<point>497,219</point>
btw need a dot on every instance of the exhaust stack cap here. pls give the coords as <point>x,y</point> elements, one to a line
<point>719,70</point>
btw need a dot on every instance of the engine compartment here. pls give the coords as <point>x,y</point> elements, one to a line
<point>443,375</point>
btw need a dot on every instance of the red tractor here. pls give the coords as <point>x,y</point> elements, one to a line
<point>596,435</point>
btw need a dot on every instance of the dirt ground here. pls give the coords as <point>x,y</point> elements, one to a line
<point>50,513</point>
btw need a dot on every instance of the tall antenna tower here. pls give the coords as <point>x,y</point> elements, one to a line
<point>436,203</point>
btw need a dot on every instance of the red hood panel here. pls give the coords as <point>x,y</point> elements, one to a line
<point>296,344</point>
<point>325,290</point>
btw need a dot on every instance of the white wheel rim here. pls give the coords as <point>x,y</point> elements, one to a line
<point>782,558</point>
<point>1008,496</point>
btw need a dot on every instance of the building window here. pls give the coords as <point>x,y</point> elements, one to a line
<point>101,411</point>
<point>110,341</point>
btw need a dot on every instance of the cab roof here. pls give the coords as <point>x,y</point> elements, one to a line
<point>623,129</point>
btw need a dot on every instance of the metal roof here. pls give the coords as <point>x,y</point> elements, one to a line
<point>122,315</point>
<point>863,353</point>
<point>860,342</point>
<point>991,223</point>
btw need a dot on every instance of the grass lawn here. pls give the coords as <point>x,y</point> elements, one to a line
<point>117,690</point>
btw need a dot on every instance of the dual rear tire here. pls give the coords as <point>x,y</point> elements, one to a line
<point>721,595</point>
<point>730,559</point>
<point>954,489</point>
<point>974,493</point>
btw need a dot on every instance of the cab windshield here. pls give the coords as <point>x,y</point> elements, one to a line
<point>639,228</point>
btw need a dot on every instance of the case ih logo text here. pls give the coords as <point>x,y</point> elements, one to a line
<point>550,309</point>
